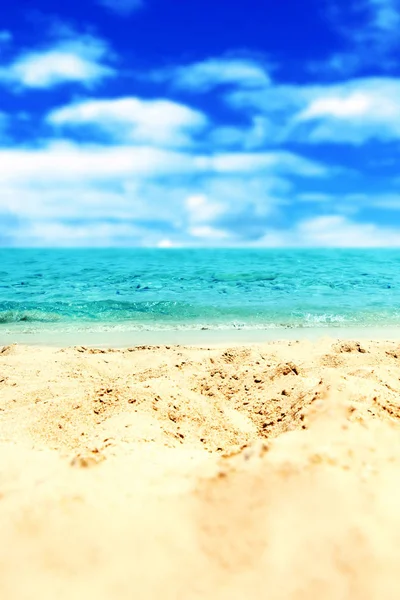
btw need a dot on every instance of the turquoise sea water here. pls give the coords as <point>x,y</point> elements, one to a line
<point>130,289</point>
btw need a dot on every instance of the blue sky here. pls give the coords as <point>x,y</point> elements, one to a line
<point>200,123</point>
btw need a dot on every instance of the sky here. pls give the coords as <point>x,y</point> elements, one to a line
<point>197,123</point>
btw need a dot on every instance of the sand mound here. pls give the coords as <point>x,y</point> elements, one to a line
<point>167,472</point>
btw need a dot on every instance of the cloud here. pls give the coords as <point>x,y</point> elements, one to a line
<point>352,112</point>
<point>257,134</point>
<point>209,74</point>
<point>339,231</point>
<point>380,21</point>
<point>134,171</point>
<point>73,186</point>
<point>270,112</point>
<point>50,233</point>
<point>356,202</point>
<point>332,231</point>
<point>122,7</point>
<point>278,162</point>
<point>321,231</point>
<point>364,24</point>
<point>79,60</point>
<point>209,234</point>
<point>160,122</point>
<point>68,162</point>
<point>200,209</point>
<point>65,161</point>
<point>156,172</point>
<point>240,205</point>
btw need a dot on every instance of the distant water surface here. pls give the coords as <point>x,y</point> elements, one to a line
<point>130,289</point>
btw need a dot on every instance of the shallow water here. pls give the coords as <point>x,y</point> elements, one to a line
<point>146,289</point>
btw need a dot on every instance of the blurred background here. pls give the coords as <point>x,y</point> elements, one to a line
<point>198,123</point>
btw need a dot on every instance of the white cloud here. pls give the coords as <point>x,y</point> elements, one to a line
<point>66,61</point>
<point>122,7</point>
<point>160,122</point>
<point>201,209</point>
<point>355,105</point>
<point>333,231</point>
<point>208,233</point>
<point>166,243</point>
<point>66,162</point>
<point>206,75</point>
<point>277,162</point>
<point>49,233</point>
<point>166,123</point>
<point>162,194</point>
<point>352,112</point>
<point>237,207</point>
<point>339,231</point>
<point>327,231</point>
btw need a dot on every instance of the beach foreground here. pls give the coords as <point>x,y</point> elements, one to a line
<point>268,471</point>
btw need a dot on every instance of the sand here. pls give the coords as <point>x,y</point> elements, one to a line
<point>270,471</point>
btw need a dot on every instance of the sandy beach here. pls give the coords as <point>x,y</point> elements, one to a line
<point>263,471</point>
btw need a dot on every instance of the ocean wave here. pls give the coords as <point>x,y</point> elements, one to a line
<point>174,315</point>
<point>104,310</point>
<point>65,326</point>
<point>328,319</point>
<point>28,316</point>
<point>149,290</point>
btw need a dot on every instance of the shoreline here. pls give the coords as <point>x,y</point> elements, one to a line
<point>210,337</point>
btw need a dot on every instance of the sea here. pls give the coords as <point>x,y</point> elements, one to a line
<point>128,296</point>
